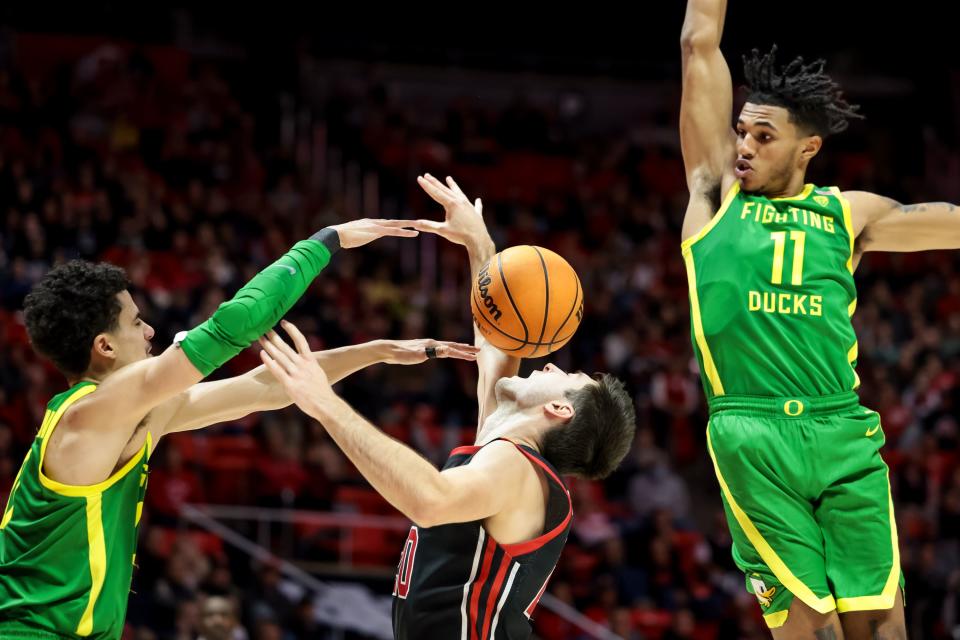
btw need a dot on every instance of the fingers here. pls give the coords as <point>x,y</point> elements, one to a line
<point>457,350</point>
<point>479,207</point>
<point>389,222</point>
<point>273,367</point>
<point>435,189</point>
<point>430,226</point>
<point>395,232</point>
<point>280,351</point>
<point>456,188</point>
<point>303,347</point>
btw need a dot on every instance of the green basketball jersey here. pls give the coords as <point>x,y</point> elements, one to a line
<point>67,552</point>
<point>771,295</point>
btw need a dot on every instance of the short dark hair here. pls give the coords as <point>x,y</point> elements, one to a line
<point>69,307</point>
<point>815,102</point>
<point>598,436</point>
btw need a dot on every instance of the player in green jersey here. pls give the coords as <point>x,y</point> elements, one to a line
<point>770,262</point>
<point>68,532</point>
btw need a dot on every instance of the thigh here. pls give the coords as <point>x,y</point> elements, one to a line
<point>886,624</point>
<point>855,514</point>
<point>776,540</point>
<point>804,623</point>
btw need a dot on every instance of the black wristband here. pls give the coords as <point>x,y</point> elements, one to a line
<point>329,238</point>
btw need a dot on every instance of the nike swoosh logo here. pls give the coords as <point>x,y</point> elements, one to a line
<point>870,432</point>
<point>292,271</point>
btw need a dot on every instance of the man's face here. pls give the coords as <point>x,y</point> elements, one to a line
<point>768,148</point>
<point>542,386</point>
<point>217,619</point>
<point>131,338</point>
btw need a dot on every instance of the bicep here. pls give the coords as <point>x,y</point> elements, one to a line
<point>883,224</point>
<point>707,139</point>
<point>127,395</point>
<point>482,488</point>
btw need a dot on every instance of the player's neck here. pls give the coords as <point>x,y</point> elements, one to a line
<point>508,423</point>
<point>94,375</point>
<point>792,188</point>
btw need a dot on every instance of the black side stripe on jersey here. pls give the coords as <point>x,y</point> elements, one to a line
<point>533,603</point>
<point>464,620</point>
<point>503,599</point>
<point>474,611</point>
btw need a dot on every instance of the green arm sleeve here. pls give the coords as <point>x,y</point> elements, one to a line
<point>257,307</point>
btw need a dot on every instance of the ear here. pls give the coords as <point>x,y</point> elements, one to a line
<point>810,147</point>
<point>102,348</point>
<point>559,410</point>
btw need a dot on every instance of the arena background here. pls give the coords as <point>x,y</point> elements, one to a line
<point>192,146</point>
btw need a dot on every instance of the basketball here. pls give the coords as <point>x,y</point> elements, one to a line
<point>527,301</point>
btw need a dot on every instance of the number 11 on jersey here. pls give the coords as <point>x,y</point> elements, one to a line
<point>779,246</point>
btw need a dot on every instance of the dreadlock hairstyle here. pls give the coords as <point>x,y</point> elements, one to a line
<point>814,100</point>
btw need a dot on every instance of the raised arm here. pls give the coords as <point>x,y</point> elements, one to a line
<point>415,487</point>
<point>706,110</point>
<point>94,432</point>
<point>883,224</point>
<point>464,225</point>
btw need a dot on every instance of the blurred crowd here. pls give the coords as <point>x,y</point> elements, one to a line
<point>170,167</point>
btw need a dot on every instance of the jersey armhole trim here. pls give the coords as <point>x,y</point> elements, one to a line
<point>83,491</point>
<point>714,221</point>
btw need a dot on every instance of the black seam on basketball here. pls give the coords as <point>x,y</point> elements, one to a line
<point>494,326</point>
<point>576,298</point>
<point>546,292</point>
<point>503,281</point>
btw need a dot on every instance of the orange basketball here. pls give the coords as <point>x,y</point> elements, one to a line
<point>527,301</point>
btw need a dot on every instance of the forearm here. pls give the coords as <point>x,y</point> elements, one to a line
<point>398,473</point>
<point>259,305</point>
<point>337,363</point>
<point>703,23</point>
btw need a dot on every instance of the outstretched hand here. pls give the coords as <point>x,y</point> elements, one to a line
<point>463,223</point>
<point>357,233</point>
<point>302,377</point>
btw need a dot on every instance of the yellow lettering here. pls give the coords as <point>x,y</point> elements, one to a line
<point>828,224</point>
<point>769,302</point>
<point>793,210</point>
<point>816,305</point>
<point>781,217</point>
<point>753,301</point>
<point>798,302</point>
<point>783,303</point>
<point>816,220</point>
<point>746,209</point>
<point>805,220</point>
<point>768,212</point>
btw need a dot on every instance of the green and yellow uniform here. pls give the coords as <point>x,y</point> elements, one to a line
<point>67,552</point>
<point>806,492</point>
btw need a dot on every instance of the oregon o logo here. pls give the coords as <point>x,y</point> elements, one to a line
<point>793,407</point>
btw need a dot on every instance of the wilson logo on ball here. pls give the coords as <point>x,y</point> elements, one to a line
<point>483,286</point>
<point>527,301</point>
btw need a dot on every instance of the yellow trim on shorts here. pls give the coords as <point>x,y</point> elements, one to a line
<point>847,223</point>
<point>97,549</point>
<point>888,597</point>
<point>709,366</point>
<point>769,556</point>
<point>731,194</point>
<point>775,620</point>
